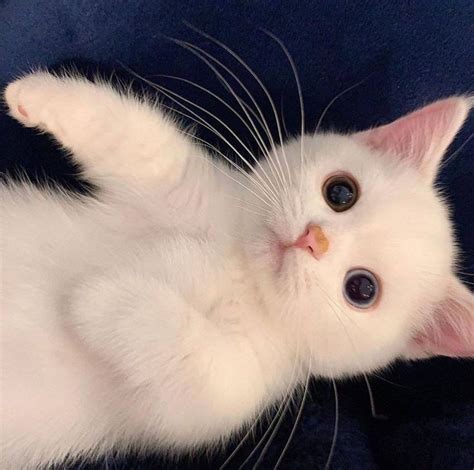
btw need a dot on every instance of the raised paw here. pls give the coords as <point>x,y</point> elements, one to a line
<point>28,98</point>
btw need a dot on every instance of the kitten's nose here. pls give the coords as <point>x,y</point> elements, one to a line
<point>313,240</point>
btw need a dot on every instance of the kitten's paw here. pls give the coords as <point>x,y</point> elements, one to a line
<point>27,98</point>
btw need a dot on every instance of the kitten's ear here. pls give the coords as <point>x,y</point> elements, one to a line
<point>451,329</point>
<point>421,137</point>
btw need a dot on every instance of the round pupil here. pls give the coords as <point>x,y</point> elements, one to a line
<point>340,193</point>
<point>360,288</point>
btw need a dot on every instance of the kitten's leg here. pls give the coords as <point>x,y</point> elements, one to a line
<point>109,134</point>
<point>194,383</point>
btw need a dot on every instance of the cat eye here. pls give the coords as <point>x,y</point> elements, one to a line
<point>361,288</point>
<point>340,192</point>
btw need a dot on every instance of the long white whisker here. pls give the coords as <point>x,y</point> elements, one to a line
<point>465,281</point>
<point>281,411</point>
<point>276,425</point>
<point>334,305</point>
<point>201,121</point>
<point>261,210</point>
<point>371,398</point>
<point>170,94</point>
<point>447,160</point>
<point>339,95</point>
<point>200,53</point>
<point>251,211</point>
<point>297,419</point>
<point>227,105</point>
<point>260,83</point>
<point>300,95</point>
<point>239,183</point>
<point>464,273</point>
<point>336,426</point>
<point>283,122</point>
<point>216,150</point>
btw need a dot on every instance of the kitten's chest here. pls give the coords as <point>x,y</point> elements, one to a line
<point>235,305</point>
<point>222,288</point>
<point>204,270</point>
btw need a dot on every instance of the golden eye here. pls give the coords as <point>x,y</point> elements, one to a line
<point>340,192</point>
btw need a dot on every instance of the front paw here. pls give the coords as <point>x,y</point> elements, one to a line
<point>28,98</point>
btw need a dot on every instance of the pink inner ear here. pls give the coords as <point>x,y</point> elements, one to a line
<point>444,340</point>
<point>421,137</point>
<point>452,331</point>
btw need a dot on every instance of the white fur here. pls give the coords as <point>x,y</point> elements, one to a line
<point>153,315</point>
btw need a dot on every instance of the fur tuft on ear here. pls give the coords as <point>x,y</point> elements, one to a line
<point>421,137</point>
<point>450,330</point>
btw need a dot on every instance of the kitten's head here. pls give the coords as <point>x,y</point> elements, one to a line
<point>356,260</point>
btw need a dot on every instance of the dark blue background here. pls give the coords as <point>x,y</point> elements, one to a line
<point>408,53</point>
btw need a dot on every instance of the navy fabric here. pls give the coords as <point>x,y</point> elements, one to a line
<point>406,53</point>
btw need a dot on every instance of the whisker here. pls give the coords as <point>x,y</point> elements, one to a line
<point>250,211</point>
<point>260,83</point>
<point>201,121</point>
<point>277,423</point>
<point>371,398</point>
<point>380,377</point>
<point>448,160</point>
<point>282,408</point>
<point>283,122</point>
<point>297,419</point>
<point>300,95</point>
<point>465,281</point>
<point>227,105</point>
<point>339,95</point>
<point>165,91</point>
<point>233,164</point>
<point>334,304</point>
<point>464,273</point>
<point>336,426</point>
<point>274,427</point>
<point>241,442</point>
<point>262,210</point>
<point>200,53</point>
<point>274,424</point>
<point>228,160</point>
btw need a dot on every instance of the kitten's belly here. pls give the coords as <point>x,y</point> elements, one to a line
<point>52,393</point>
<point>55,396</point>
<point>48,386</point>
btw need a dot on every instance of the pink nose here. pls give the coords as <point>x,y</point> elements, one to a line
<point>313,240</point>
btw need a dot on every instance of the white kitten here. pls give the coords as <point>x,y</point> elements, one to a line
<point>186,297</point>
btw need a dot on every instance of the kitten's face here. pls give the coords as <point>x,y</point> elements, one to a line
<point>398,230</point>
<point>355,293</point>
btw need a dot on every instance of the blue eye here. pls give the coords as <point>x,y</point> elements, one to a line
<point>361,288</point>
<point>340,192</point>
